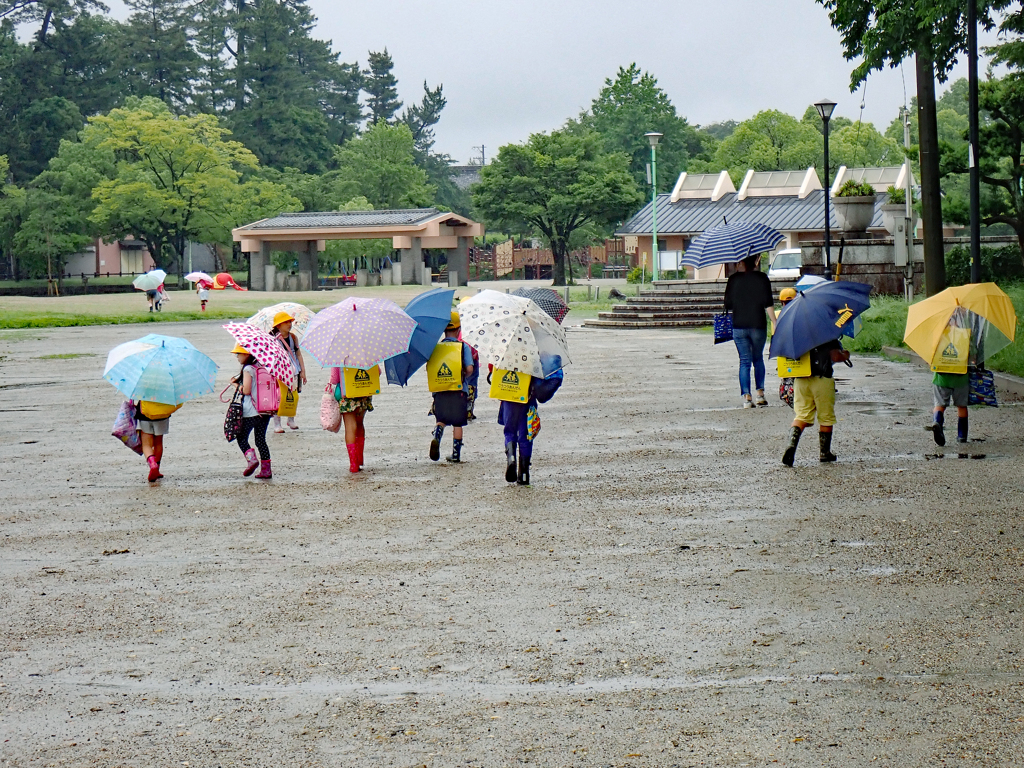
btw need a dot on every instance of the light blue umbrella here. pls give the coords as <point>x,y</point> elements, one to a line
<point>160,369</point>
<point>728,243</point>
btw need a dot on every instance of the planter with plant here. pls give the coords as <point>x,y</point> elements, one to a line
<point>855,206</point>
<point>896,208</point>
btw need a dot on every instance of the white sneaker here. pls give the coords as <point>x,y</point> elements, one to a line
<point>748,403</point>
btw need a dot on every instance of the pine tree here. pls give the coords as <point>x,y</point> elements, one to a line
<point>159,50</point>
<point>381,87</point>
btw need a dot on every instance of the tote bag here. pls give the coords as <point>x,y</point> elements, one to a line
<point>723,328</point>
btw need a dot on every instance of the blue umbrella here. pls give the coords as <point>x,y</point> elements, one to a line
<point>821,313</point>
<point>432,311</point>
<point>161,369</point>
<point>728,243</point>
<point>809,281</point>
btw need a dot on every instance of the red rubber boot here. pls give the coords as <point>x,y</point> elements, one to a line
<point>353,457</point>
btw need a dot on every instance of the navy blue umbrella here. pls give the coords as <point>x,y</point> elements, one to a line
<point>821,313</point>
<point>432,311</point>
<point>729,243</point>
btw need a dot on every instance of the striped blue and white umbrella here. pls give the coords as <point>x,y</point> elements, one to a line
<point>728,243</point>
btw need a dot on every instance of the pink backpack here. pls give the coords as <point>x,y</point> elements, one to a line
<point>266,392</point>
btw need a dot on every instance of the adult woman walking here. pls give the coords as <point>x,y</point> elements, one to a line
<point>283,331</point>
<point>748,295</point>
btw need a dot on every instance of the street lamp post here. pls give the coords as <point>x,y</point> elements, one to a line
<point>825,108</point>
<point>654,138</point>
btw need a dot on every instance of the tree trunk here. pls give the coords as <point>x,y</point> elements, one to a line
<point>558,251</point>
<point>931,195</point>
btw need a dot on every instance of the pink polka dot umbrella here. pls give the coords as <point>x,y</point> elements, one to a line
<point>268,350</point>
<point>358,333</point>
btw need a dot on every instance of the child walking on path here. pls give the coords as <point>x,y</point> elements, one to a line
<point>353,411</point>
<point>283,331</point>
<point>204,295</point>
<point>950,389</point>
<point>253,421</point>
<point>815,395</point>
<point>449,372</point>
<point>153,421</point>
<point>522,424</point>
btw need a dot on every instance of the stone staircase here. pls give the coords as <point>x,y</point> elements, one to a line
<point>671,304</point>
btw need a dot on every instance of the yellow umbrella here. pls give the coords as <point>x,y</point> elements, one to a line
<point>931,322</point>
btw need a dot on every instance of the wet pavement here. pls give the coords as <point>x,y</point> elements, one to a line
<point>666,593</point>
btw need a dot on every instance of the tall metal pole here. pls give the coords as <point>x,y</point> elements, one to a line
<point>828,230</point>
<point>654,211</point>
<point>973,148</point>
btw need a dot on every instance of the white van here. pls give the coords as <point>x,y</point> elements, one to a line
<point>786,265</point>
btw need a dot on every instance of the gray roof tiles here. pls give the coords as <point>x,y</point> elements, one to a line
<point>383,218</point>
<point>784,213</point>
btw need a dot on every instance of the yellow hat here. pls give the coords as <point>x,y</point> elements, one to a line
<point>282,317</point>
<point>454,322</point>
<point>239,350</point>
<point>787,294</point>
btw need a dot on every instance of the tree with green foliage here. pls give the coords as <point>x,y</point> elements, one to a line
<point>175,179</point>
<point>381,87</point>
<point>881,33</point>
<point>769,141</point>
<point>158,50</point>
<point>557,183</point>
<point>381,167</point>
<point>633,104</point>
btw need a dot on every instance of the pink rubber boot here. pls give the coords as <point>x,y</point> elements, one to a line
<point>250,456</point>
<point>264,471</point>
<point>154,469</point>
<point>353,456</point>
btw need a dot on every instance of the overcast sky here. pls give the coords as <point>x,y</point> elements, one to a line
<point>512,68</point>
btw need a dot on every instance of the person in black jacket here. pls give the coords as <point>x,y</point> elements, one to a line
<point>748,295</point>
<point>815,396</point>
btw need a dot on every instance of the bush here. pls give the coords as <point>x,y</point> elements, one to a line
<point>853,189</point>
<point>596,268</point>
<point>635,275</point>
<point>998,265</point>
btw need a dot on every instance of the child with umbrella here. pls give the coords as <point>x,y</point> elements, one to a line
<point>158,374</point>
<point>808,332</point>
<point>449,371</point>
<point>253,422</point>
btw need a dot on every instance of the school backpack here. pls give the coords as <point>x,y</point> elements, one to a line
<point>266,393</point>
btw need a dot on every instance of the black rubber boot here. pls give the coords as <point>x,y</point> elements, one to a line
<point>510,458</point>
<point>794,438</point>
<point>825,444</point>
<point>961,429</point>
<point>435,443</point>
<point>524,470</point>
<point>456,457</point>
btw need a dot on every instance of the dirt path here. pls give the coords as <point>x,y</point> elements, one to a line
<point>665,594</point>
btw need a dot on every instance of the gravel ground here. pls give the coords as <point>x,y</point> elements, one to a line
<point>665,594</point>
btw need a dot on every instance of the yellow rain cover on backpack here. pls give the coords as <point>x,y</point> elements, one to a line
<point>510,385</point>
<point>156,411</point>
<point>289,402</point>
<point>954,349</point>
<point>794,369</point>
<point>444,368</point>
<point>362,383</point>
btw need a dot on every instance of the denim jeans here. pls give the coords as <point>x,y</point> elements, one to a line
<point>750,344</point>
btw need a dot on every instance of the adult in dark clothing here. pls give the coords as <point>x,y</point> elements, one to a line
<point>748,295</point>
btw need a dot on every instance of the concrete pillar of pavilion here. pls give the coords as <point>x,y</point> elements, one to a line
<point>458,260</point>
<point>309,274</point>
<point>258,261</point>
<point>410,258</point>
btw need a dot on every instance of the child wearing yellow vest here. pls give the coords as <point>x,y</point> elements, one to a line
<point>354,389</point>
<point>449,371</point>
